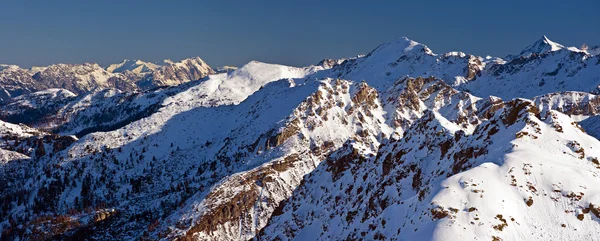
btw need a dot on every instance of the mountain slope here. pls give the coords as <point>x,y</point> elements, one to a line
<point>254,133</point>
<point>105,110</point>
<point>513,183</point>
<point>175,119</point>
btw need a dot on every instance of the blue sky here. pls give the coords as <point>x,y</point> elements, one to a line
<point>287,32</point>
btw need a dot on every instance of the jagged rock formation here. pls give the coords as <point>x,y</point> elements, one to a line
<point>174,73</point>
<point>15,81</point>
<point>129,75</point>
<point>133,65</point>
<point>578,105</point>
<point>503,181</point>
<point>81,78</point>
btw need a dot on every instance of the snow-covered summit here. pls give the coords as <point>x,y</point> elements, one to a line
<point>543,45</point>
<point>402,45</point>
<point>550,67</point>
<point>235,86</point>
<point>133,65</point>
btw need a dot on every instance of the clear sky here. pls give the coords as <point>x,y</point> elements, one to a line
<point>295,33</point>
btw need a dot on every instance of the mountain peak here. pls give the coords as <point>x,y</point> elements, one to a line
<point>134,65</point>
<point>402,45</point>
<point>546,39</point>
<point>196,59</point>
<point>542,46</point>
<point>555,46</point>
<point>408,45</point>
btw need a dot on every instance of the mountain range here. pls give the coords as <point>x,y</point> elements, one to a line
<point>129,75</point>
<point>398,144</point>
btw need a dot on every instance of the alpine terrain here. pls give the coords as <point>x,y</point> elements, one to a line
<point>401,143</point>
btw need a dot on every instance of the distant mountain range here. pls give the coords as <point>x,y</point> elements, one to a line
<point>398,144</point>
<point>129,75</point>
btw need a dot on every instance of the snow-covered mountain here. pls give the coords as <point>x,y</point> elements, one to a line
<point>564,69</point>
<point>542,46</point>
<point>79,115</point>
<point>174,73</point>
<point>508,180</point>
<point>133,65</point>
<point>398,144</point>
<point>128,76</point>
<point>31,109</point>
<point>81,78</point>
<point>60,111</point>
<point>15,81</point>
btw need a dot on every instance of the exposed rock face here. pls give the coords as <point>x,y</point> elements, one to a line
<point>134,66</point>
<point>576,104</point>
<point>408,98</point>
<point>81,78</point>
<point>226,217</point>
<point>412,186</point>
<point>330,63</point>
<point>15,81</point>
<point>128,76</point>
<point>172,73</point>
